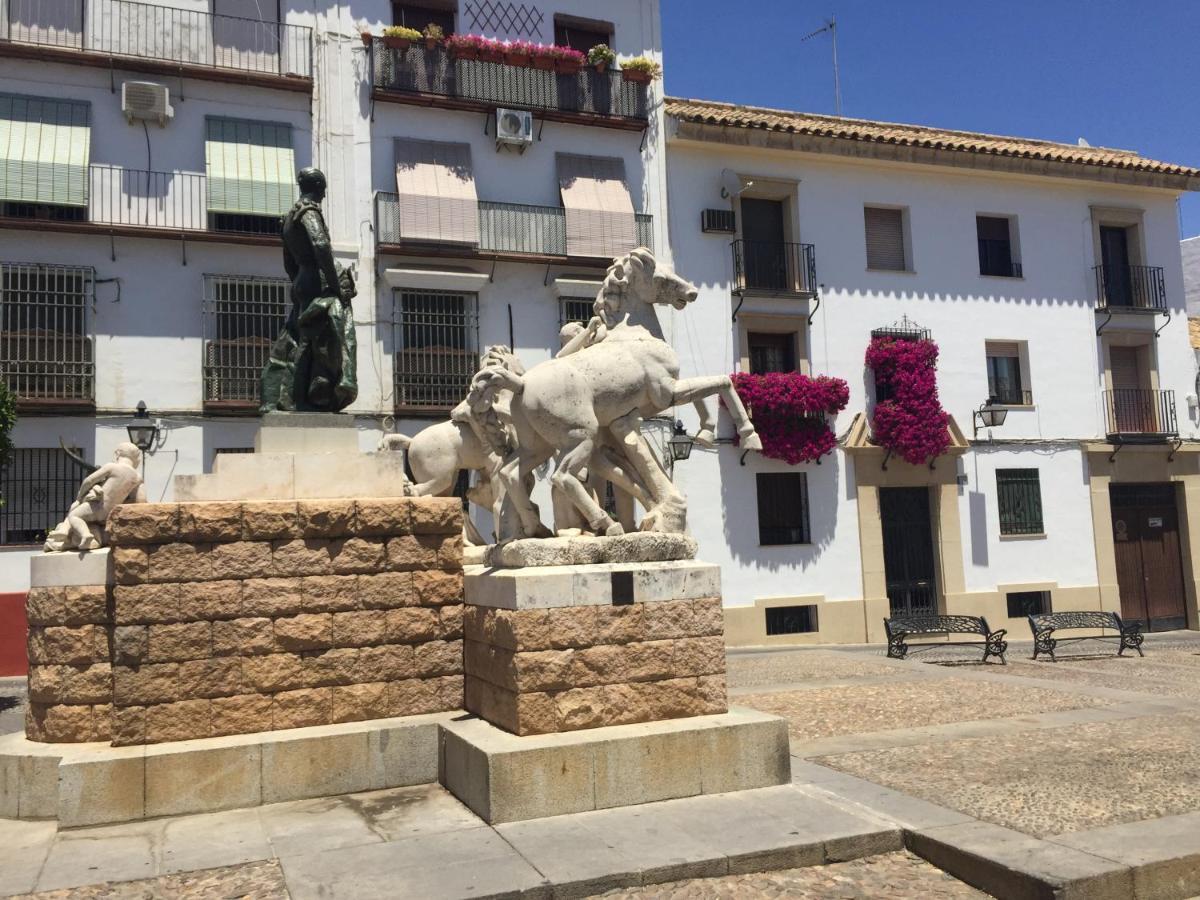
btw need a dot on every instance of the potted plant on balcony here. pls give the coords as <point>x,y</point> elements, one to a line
<point>542,57</point>
<point>568,60</point>
<point>491,50</point>
<point>518,53</point>
<point>397,37</point>
<point>640,69</point>
<point>433,35</point>
<point>366,37</point>
<point>601,57</point>
<point>463,46</point>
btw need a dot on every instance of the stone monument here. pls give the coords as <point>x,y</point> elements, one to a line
<point>103,491</point>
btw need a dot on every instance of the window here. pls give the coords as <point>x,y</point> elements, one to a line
<point>1019,497</point>
<point>575,309</point>
<point>782,508</point>
<point>436,335</point>
<point>791,619</point>
<point>772,352</point>
<point>38,486</point>
<point>885,239</point>
<point>1027,603</point>
<point>251,174</point>
<point>242,318</point>
<point>996,247</point>
<point>1006,384</point>
<point>44,149</point>
<point>581,34</point>
<point>45,345</point>
<point>414,15</point>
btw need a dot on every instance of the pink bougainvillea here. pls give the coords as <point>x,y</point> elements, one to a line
<point>910,421</point>
<point>789,412</point>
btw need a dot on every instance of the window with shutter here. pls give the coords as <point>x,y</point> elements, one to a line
<point>885,238</point>
<point>44,147</point>
<point>1019,498</point>
<point>1005,377</point>
<point>782,508</point>
<point>250,166</point>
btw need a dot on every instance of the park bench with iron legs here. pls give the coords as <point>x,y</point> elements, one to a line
<point>900,627</point>
<point>1045,625</point>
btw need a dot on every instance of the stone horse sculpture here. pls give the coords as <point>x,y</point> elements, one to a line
<point>562,406</point>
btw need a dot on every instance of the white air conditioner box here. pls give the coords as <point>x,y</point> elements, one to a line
<point>146,100</point>
<point>514,126</point>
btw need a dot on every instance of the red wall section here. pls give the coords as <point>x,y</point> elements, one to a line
<point>13,660</point>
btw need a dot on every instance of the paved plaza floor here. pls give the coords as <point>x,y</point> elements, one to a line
<point>1023,779</point>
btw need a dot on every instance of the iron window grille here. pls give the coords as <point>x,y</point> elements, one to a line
<point>782,508</point>
<point>718,221</point>
<point>1027,603</point>
<point>575,309</point>
<point>791,619</point>
<point>37,485</point>
<point>242,318</point>
<point>436,339</point>
<point>1019,498</point>
<point>994,235</point>
<point>45,342</point>
<point>772,352</point>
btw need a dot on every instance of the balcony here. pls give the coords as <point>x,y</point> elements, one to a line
<point>418,75</point>
<point>161,40</point>
<point>507,231</point>
<point>141,203</point>
<point>1134,415</point>
<point>1130,289</point>
<point>777,268</point>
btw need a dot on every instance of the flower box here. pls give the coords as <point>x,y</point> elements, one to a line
<point>366,38</point>
<point>396,43</point>
<point>637,76</point>
<point>517,58</point>
<point>464,52</point>
<point>545,63</point>
<point>568,66</point>
<point>789,411</point>
<point>490,54</point>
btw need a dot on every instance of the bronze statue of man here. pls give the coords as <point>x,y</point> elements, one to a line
<point>313,361</point>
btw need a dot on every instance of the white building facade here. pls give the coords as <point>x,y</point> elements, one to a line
<point>480,201</point>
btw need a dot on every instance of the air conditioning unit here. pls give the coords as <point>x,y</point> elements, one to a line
<point>146,100</point>
<point>514,126</point>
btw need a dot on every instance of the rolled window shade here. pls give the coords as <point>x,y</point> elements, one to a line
<point>251,167</point>
<point>599,210</point>
<point>885,238</point>
<point>436,187</point>
<point>44,148</point>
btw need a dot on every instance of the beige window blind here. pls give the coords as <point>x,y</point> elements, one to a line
<point>437,192</point>
<point>44,147</point>
<point>885,238</point>
<point>599,210</point>
<point>251,167</point>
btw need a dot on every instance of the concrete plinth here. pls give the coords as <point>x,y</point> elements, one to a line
<point>505,778</point>
<point>306,432</point>
<point>94,784</point>
<point>296,476</point>
<point>69,568</point>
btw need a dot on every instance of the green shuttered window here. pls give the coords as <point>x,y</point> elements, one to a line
<point>44,146</point>
<point>251,167</point>
<point>1019,496</point>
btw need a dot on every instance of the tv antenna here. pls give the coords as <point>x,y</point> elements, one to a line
<point>830,26</point>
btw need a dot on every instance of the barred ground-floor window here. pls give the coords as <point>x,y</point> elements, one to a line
<point>242,318</point>
<point>45,338</point>
<point>38,485</point>
<point>1019,498</point>
<point>436,339</point>
<point>782,508</point>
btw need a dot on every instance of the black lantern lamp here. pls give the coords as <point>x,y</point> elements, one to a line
<point>989,416</point>
<point>680,443</point>
<point>143,432</point>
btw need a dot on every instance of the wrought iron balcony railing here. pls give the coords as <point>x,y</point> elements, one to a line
<point>1006,396</point>
<point>135,199</point>
<point>775,267</point>
<point>504,228</point>
<point>1140,414</point>
<point>1133,288</point>
<point>421,71</point>
<point>158,35</point>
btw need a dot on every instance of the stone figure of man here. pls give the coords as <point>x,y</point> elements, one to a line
<point>313,361</point>
<point>114,483</point>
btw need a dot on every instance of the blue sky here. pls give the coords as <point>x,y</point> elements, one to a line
<point>1117,73</point>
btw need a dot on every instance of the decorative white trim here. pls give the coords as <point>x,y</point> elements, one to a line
<point>574,286</point>
<point>436,279</point>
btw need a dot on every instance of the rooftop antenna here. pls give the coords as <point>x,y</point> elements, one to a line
<point>831,27</point>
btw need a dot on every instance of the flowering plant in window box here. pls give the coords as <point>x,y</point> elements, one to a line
<point>910,422</point>
<point>518,53</point>
<point>641,69</point>
<point>568,60</point>
<point>397,37</point>
<point>790,412</point>
<point>433,35</point>
<point>601,57</point>
<point>464,46</point>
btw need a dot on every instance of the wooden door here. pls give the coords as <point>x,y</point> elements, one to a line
<point>1149,555</point>
<point>1114,256</point>
<point>763,243</point>
<point>908,558</point>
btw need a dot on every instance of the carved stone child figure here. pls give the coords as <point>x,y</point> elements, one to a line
<point>109,486</point>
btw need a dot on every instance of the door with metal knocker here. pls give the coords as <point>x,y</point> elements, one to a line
<point>1149,563</point>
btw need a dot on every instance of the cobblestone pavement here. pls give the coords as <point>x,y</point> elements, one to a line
<point>857,708</point>
<point>770,668</point>
<point>12,705</point>
<point>897,876</point>
<point>1055,780</point>
<point>1171,673</point>
<point>256,881</point>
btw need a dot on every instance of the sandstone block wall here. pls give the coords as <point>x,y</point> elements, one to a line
<point>228,618</point>
<point>535,671</point>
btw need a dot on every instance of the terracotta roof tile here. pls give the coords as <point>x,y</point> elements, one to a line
<point>709,112</point>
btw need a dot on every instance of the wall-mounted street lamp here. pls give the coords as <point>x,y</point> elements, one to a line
<point>143,431</point>
<point>680,443</point>
<point>988,416</point>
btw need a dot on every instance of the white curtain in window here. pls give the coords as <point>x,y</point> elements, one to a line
<point>599,210</point>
